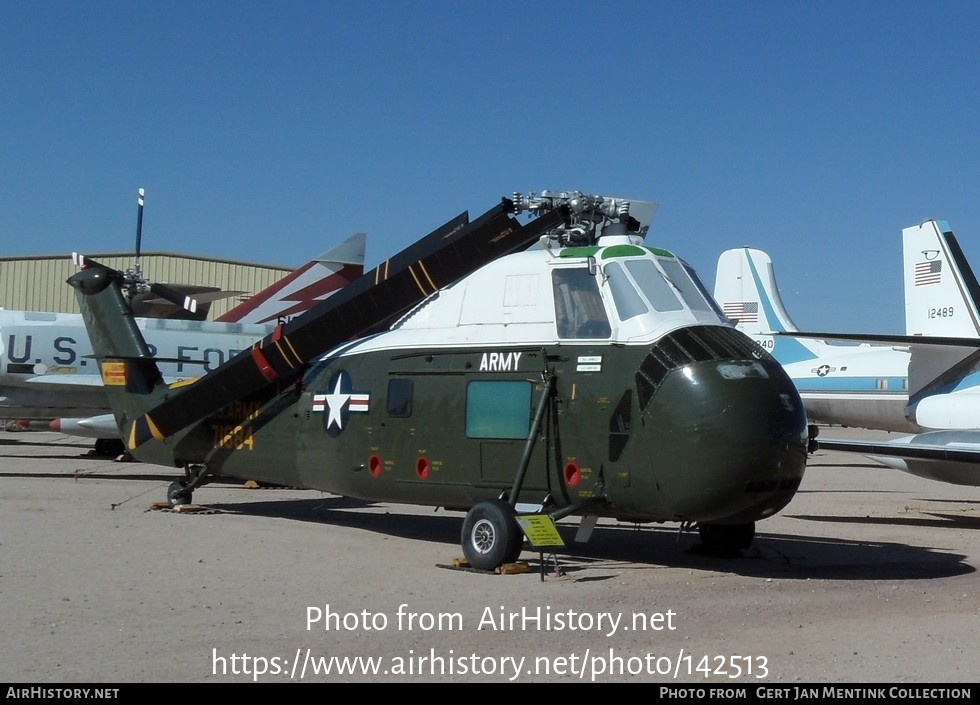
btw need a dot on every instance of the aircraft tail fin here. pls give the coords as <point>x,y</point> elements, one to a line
<point>941,290</point>
<point>745,288</point>
<point>304,287</point>
<point>941,299</point>
<point>130,374</point>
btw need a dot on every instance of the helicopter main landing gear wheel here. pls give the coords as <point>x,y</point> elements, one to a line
<point>178,494</point>
<point>726,538</point>
<point>491,536</point>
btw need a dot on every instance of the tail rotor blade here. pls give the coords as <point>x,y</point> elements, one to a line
<point>133,283</point>
<point>84,262</point>
<point>139,225</point>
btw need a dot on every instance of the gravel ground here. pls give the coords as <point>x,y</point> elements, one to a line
<point>868,577</point>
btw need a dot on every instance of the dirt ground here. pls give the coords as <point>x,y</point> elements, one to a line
<point>868,576</point>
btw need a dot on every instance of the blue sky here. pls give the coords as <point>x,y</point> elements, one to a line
<point>267,131</point>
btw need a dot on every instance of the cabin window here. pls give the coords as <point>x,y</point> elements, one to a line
<point>498,409</point>
<point>579,312</point>
<point>400,392</point>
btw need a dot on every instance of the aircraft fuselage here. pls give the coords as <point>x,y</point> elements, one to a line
<point>48,369</point>
<point>715,440</point>
<point>652,417</point>
<point>589,376</point>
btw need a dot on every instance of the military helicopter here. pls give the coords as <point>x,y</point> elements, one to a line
<point>558,367</point>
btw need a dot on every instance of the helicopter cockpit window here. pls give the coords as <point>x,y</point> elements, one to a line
<point>708,297</point>
<point>628,301</point>
<point>680,277</point>
<point>579,312</point>
<point>659,292</point>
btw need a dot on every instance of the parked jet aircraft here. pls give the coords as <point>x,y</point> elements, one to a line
<point>858,385</point>
<point>591,376</point>
<point>934,365</point>
<point>47,370</point>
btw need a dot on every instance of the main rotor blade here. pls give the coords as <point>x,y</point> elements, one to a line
<point>437,260</point>
<point>174,296</point>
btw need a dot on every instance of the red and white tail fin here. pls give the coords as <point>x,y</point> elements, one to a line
<point>305,286</point>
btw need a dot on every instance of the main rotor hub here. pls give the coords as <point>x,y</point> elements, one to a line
<point>587,217</point>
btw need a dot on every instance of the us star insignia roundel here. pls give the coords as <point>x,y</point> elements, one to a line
<point>339,403</point>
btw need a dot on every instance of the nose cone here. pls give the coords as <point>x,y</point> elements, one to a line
<point>729,440</point>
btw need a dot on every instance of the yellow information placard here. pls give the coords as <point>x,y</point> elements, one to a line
<point>540,530</point>
<point>114,373</point>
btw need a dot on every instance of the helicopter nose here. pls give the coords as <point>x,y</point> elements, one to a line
<point>738,430</point>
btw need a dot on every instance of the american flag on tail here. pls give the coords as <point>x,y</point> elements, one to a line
<point>928,272</point>
<point>742,311</point>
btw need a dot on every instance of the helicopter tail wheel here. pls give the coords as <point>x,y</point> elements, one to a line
<point>491,536</point>
<point>109,447</point>
<point>727,538</point>
<point>178,494</point>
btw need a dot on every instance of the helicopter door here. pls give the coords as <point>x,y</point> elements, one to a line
<point>579,312</point>
<point>499,412</point>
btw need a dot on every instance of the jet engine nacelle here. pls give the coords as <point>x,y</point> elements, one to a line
<point>959,410</point>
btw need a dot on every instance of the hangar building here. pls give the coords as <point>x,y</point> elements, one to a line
<point>37,283</point>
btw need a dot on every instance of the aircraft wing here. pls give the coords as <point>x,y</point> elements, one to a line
<point>66,380</point>
<point>897,449</point>
<point>947,456</point>
<point>874,338</point>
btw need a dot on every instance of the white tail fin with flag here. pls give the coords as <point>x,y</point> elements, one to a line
<point>941,294</point>
<point>940,287</point>
<point>745,288</point>
<point>846,384</point>
<point>940,353</point>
